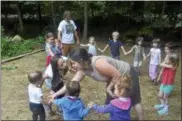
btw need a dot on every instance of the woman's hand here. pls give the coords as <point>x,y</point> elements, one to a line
<point>51,98</point>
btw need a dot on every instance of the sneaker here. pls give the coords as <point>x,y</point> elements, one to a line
<point>158,106</point>
<point>163,111</point>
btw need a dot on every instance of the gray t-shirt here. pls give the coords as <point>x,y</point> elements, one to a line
<point>138,53</point>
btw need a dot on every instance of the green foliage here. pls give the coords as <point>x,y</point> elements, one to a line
<point>9,48</point>
<point>145,31</point>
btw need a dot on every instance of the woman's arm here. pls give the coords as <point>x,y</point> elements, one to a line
<point>131,50</point>
<point>78,77</point>
<point>106,69</point>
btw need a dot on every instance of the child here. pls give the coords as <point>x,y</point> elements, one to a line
<point>58,50</point>
<point>155,60</point>
<point>168,74</point>
<point>115,46</point>
<point>72,106</point>
<point>36,96</point>
<point>118,108</point>
<point>139,54</point>
<point>49,47</point>
<point>92,47</point>
<point>168,50</point>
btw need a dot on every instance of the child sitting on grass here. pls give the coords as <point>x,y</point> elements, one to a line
<point>118,108</point>
<point>36,100</point>
<point>72,106</point>
<point>115,46</point>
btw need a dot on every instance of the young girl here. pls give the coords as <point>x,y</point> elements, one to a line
<point>72,106</point>
<point>115,46</point>
<point>168,50</point>
<point>36,96</point>
<point>92,47</point>
<point>168,74</point>
<point>118,108</point>
<point>49,48</point>
<point>58,50</point>
<point>155,60</point>
<point>139,54</point>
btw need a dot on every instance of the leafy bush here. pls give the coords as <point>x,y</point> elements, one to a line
<point>145,31</point>
<point>9,48</point>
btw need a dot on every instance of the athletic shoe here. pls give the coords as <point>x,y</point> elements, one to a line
<point>163,111</point>
<point>158,106</point>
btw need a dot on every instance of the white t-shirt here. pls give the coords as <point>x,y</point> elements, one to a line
<point>35,94</point>
<point>155,56</point>
<point>67,30</point>
<point>92,49</point>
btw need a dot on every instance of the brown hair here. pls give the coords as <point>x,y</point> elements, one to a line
<point>123,83</point>
<point>34,77</point>
<point>170,45</point>
<point>73,88</point>
<point>49,35</point>
<point>66,13</point>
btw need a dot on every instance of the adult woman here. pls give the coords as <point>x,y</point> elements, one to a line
<point>53,78</point>
<point>103,68</point>
<point>66,33</point>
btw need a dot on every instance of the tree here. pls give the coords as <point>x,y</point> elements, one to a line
<point>39,11</point>
<point>85,21</point>
<point>18,6</point>
<point>53,14</point>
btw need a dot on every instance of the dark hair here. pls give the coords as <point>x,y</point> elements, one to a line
<point>79,54</point>
<point>34,77</point>
<point>49,35</point>
<point>170,45</point>
<point>157,41</point>
<point>73,88</point>
<point>57,81</point>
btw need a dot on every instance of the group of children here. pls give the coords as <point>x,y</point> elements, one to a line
<point>73,107</point>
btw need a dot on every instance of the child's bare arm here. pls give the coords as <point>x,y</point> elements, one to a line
<point>131,50</point>
<point>105,47</point>
<point>84,45</point>
<point>123,50</point>
<point>143,52</point>
<point>166,65</point>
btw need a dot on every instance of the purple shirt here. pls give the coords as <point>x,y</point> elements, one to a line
<point>115,47</point>
<point>118,109</point>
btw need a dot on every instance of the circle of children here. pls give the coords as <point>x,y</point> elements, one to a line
<point>69,104</point>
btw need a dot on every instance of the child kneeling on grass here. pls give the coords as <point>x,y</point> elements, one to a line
<point>72,106</point>
<point>118,108</point>
<point>36,100</point>
<point>167,85</point>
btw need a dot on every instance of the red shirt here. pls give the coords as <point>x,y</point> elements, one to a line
<point>168,75</point>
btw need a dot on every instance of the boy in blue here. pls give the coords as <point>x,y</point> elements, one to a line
<point>72,106</point>
<point>115,46</point>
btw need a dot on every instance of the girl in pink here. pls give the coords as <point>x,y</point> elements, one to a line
<point>168,74</point>
<point>155,59</point>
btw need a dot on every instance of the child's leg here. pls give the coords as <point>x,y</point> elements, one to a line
<point>152,72</point>
<point>42,113</point>
<point>160,95</point>
<point>34,109</point>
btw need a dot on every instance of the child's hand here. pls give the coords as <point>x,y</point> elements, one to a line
<point>90,104</point>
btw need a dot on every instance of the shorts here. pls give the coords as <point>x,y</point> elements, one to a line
<point>167,89</point>
<point>137,63</point>
<point>66,49</point>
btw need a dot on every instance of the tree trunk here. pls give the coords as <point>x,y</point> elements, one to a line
<point>85,22</point>
<point>39,11</point>
<point>163,9</point>
<point>53,15</point>
<point>20,17</point>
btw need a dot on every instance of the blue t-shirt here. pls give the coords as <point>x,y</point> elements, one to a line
<point>115,47</point>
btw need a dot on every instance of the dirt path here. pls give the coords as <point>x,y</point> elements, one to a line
<point>14,96</point>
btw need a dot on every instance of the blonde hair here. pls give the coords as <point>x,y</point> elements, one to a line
<point>174,59</point>
<point>123,83</point>
<point>115,33</point>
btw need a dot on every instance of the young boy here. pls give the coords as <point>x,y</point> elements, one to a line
<point>36,96</point>
<point>115,46</point>
<point>72,106</point>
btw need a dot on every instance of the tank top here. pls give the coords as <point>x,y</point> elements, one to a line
<point>138,52</point>
<point>168,76</point>
<point>121,66</point>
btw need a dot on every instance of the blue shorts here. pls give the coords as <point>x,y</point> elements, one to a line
<point>167,89</point>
